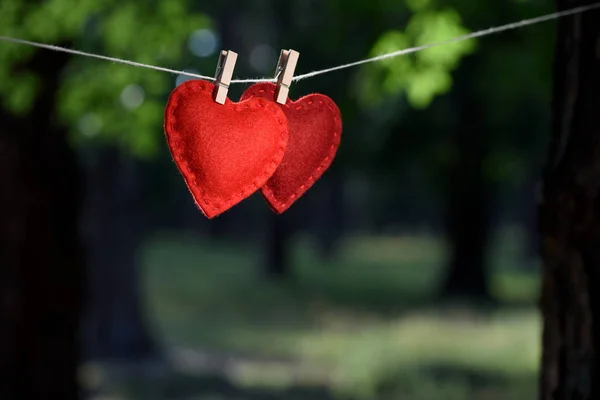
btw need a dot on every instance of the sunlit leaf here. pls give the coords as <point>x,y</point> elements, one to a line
<point>425,74</point>
<point>426,84</point>
<point>438,26</point>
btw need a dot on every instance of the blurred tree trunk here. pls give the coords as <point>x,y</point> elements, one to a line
<point>218,228</point>
<point>570,216</point>
<point>528,206</point>
<point>114,324</point>
<point>41,259</point>
<point>469,199</point>
<point>277,251</point>
<point>330,222</point>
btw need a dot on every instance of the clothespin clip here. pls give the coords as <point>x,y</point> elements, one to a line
<point>284,74</point>
<point>223,75</point>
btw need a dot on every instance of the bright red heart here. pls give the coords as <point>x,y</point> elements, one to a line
<point>224,152</point>
<point>315,128</point>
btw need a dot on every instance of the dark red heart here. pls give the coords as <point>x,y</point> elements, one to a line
<point>315,128</point>
<point>224,152</point>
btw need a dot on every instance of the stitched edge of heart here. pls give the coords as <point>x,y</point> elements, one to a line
<point>280,206</point>
<point>211,210</point>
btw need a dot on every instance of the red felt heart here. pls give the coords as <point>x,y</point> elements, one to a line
<point>315,128</point>
<point>224,152</point>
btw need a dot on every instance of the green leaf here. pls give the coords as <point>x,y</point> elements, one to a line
<point>420,76</point>
<point>23,90</point>
<point>426,84</point>
<point>432,27</point>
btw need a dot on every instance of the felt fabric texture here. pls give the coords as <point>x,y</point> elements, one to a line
<point>224,152</point>
<point>315,128</point>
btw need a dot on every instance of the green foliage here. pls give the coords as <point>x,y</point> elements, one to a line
<point>99,100</point>
<point>422,75</point>
<point>24,88</point>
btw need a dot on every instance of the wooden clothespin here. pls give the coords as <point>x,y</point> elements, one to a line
<point>223,75</point>
<point>284,74</point>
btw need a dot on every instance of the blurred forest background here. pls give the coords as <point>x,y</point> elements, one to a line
<point>409,271</point>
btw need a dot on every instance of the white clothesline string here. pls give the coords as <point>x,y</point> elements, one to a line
<point>484,32</point>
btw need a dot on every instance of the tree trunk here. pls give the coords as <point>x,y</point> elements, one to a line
<point>114,323</point>
<point>330,223</point>
<point>277,252</point>
<point>468,217</point>
<point>528,214</point>
<point>41,271</point>
<point>218,228</point>
<point>570,216</point>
